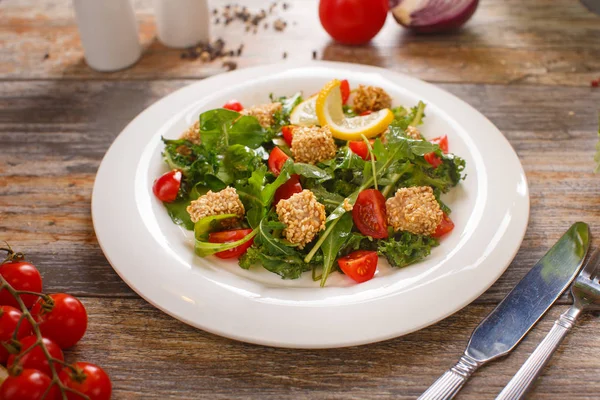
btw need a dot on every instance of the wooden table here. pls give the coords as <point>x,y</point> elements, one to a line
<point>525,64</point>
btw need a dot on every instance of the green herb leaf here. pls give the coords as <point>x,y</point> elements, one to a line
<point>338,235</point>
<point>406,248</point>
<point>203,249</point>
<point>178,212</point>
<point>208,224</point>
<point>222,128</point>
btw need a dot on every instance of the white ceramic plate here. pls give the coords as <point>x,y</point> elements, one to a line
<point>156,259</point>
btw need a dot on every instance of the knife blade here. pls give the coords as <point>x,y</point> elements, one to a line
<point>501,331</point>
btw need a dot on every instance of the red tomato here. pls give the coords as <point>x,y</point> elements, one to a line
<point>167,186</point>
<point>441,141</point>
<point>35,359</point>
<point>233,105</point>
<point>444,227</point>
<point>433,159</point>
<point>65,323</point>
<point>359,147</point>
<point>362,114</point>
<point>90,380</point>
<point>21,276</point>
<point>231,236</point>
<point>9,318</point>
<point>285,191</point>
<point>276,160</point>
<point>345,88</point>
<point>288,133</point>
<point>369,214</point>
<point>353,21</point>
<point>28,385</point>
<point>359,265</point>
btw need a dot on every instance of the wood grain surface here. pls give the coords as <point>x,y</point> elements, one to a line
<point>526,65</point>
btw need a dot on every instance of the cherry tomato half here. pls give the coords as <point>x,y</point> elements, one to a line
<point>433,159</point>
<point>231,236</point>
<point>65,323</point>
<point>353,21</point>
<point>444,227</point>
<point>359,147</point>
<point>276,160</point>
<point>30,384</point>
<point>359,265</point>
<point>345,88</point>
<point>95,384</point>
<point>35,359</point>
<point>367,112</point>
<point>441,141</point>
<point>9,318</point>
<point>288,134</point>
<point>21,276</point>
<point>369,214</point>
<point>167,186</point>
<point>233,105</point>
<point>288,189</point>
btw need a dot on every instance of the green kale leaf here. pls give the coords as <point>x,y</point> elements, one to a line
<point>406,248</point>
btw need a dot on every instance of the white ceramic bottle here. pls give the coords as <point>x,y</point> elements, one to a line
<point>182,23</point>
<point>108,33</point>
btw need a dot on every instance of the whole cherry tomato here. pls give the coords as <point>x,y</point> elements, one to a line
<point>233,105</point>
<point>231,236</point>
<point>89,380</point>
<point>166,187</point>
<point>353,21</point>
<point>36,359</point>
<point>63,319</point>
<point>9,318</point>
<point>20,275</point>
<point>369,214</point>
<point>359,265</point>
<point>30,384</point>
<point>276,160</point>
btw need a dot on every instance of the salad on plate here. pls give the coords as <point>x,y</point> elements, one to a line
<point>321,184</point>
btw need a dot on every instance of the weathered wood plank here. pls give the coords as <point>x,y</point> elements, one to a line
<point>539,42</point>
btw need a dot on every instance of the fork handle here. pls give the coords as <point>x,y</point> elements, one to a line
<point>533,367</point>
<point>448,385</point>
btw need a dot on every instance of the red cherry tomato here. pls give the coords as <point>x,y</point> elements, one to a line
<point>65,323</point>
<point>9,318</point>
<point>433,159</point>
<point>167,186</point>
<point>441,141</point>
<point>359,265</point>
<point>21,276</point>
<point>353,21</point>
<point>359,147</point>
<point>288,189</point>
<point>369,214</point>
<point>288,134</point>
<point>233,105</point>
<point>30,384</point>
<point>345,88</point>
<point>276,160</point>
<point>90,380</point>
<point>231,236</point>
<point>35,359</point>
<point>444,227</point>
<point>362,114</point>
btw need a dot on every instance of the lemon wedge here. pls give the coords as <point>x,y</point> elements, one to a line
<point>329,112</point>
<point>304,113</point>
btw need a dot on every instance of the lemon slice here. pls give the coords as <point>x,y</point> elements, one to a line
<point>304,113</point>
<point>329,111</point>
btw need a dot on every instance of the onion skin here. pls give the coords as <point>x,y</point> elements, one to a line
<point>426,19</point>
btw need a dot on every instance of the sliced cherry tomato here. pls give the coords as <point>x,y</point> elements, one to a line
<point>362,114</point>
<point>231,236</point>
<point>167,186</point>
<point>433,159</point>
<point>345,88</point>
<point>276,160</point>
<point>64,321</point>
<point>441,141</point>
<point>9,318</point>
<point>90,380</point>
<point>288,134</point>
<point>30,384</point>
<point>359,265</point>
<point>21,276</point>
<point>35,359</point>
<point>444,227</point>
<point>288,189</point>
<point>359,147</point>
<point>233,105</point>
<point>369,214</point>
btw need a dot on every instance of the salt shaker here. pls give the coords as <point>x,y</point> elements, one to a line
<point>182,23</point>
<point>108,33</point>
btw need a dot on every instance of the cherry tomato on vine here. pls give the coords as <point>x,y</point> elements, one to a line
<point>231,236</point>
<point>64,322</point>
<point>369,214</point>
<point>276,160</point>
<point>288,134</point>
<point>30,384</point>
<point>9,319</point>
<point>89,380</point>
<point>233,105</point>
<point>20,275</point>
<point>166,187</point>
<point>36,359</point>
<point>359,265</point>
<point>288,189</point>
<point>353,21</point>
<point>345,89</point>
<point>444,227</point>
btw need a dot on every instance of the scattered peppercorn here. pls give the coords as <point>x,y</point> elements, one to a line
<point>314,54</point>
<point>230,65</point>
<point>46,56</point>
<point>284,55</point>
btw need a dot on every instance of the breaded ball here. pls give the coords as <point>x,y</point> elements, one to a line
<point>263,113</point>
<point>414,210</point>
<point>303,216</point>
<point>370,98</point>
<point>226,201</point>
<point>313,144</point>
<point>192,133</point>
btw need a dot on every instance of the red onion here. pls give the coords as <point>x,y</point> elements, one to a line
<point>428,16</point>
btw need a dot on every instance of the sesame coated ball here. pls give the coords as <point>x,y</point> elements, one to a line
<point>192,133</point>
<point>225,201</point>
<point>370,98</point>
<point>303,216</point>
<point>414,210</point>
<point>263,113</point>
<point>313,144</point>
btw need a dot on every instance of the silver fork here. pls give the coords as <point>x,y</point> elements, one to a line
<point>586,295</point>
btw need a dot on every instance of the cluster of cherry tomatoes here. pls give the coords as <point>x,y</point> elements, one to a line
<point>61,320</point>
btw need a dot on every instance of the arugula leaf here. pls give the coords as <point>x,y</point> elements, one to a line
<point>203,248</point>
<point>338,236</point>
<point>177,210</point>
<point>406,248</point>
<point>240,161</point>
<point>311,171</point>
<point>282,117</point>
<point>221,128</point>
<point>286,266</point>
<point>209,223</point>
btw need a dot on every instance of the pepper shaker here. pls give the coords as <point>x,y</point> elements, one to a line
<point>182,23</point>
<point>109,34</point>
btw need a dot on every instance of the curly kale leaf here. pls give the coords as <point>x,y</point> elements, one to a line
<point>406,248</point>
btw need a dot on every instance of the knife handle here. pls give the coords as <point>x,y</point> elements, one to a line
<point>449,384</point>
<point>520,384</point>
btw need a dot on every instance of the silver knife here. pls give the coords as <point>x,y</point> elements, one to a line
<point>503,329</point>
